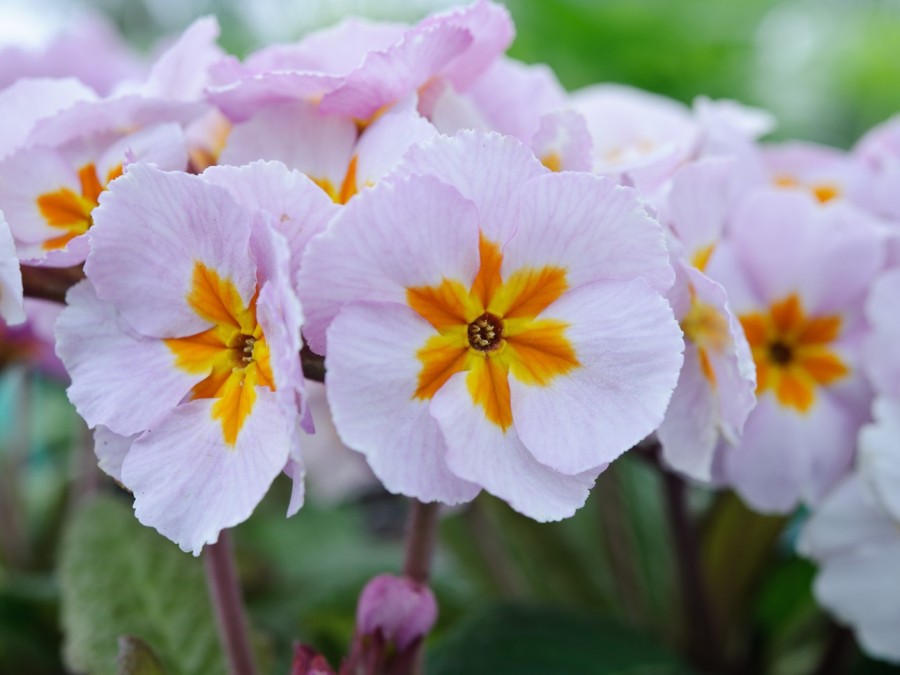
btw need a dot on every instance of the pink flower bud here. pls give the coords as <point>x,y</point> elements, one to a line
<point>307,661</point>
<point>402,610</point>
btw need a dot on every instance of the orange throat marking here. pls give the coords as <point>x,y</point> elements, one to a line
<point>233,355</point>
<point>491,330</point>
<point>793,352</point>
<point>70,211</point>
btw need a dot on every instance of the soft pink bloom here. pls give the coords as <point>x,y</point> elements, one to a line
<point>638,138</point>
<point>357,68</point>
<point>29,100</point>
<point>854,536</point>
<point>92,51</point>
<point>508,320</point>
<point>332,151</point>
<point>880,150</point>
<point>797,276</point>
<point>185,337</point>
<point>826,173</point>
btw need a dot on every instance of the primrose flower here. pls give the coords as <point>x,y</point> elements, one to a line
<point>182,343</point>
<point>715,391</point>
<point>797,276</point>
<point>525,101</point>
<point>855,537</point>
<point>358,69</point>
<point>507,321</point>
<point>332,151</point>
<point>827,174</point>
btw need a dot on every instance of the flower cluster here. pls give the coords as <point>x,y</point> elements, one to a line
<point>511,285</point>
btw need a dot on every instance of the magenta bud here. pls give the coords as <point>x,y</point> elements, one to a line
<point>400,609</point>
<point>307,661</point>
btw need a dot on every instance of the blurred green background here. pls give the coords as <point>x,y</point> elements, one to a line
<point>595,594</point>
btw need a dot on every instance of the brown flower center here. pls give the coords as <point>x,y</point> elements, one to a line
<point>486,332</point>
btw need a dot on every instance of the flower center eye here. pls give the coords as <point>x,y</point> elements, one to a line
<point>486,332</point>
<point>780,353</point>
<point>244,347</point>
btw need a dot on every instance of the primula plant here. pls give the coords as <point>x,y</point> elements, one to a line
<point>389,264</point>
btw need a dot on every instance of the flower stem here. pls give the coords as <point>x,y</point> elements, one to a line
<point>705,645</point>
<point>225,591</point>
<point>421,536</point>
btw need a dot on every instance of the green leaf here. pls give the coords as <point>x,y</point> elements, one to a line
<point>538,641</point>
<point>120,578</point>
<point>136,657</point>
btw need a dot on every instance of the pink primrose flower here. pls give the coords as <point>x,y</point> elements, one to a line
<point>797,277</point>
<point>359,69</point>
<point>491,324</point>
<point>182,343</point>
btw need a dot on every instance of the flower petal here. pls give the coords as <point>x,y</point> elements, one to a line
<point>186,483</point>
<point>151,230</point>
<point>485,454</point>
<point>371,384</point>
<point>120,379</point>
<point>629,350</point>
<point>411,233</point>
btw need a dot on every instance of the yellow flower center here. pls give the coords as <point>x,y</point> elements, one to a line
<point>233,354</point>
<point>71,211</point>
<point>492,330</point>
<point>823,191</point>
<point>793,352</point>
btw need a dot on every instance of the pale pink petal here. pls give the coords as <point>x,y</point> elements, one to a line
<point>388,138</point>
<point>635,133</point>
<point>373,380</point>
<point>512,97</point>
<point>24,177</point>
<point>700,412</point>
<point>486,168</point>
<point>882,357</point>
<point>492,31</point>
<point>563,136</point>
<point>860,589</point>
<point>386,77</point>
<point>182,71</point>
<point>296,471</point>
<point>880,454</point>
<point>408,233</point>
<point>849,518</point>
<point>111,449</point>
<point>629,348</point>
<point>591,227</point>
<point>189,486</point>
<point>299,208</point>
<point>786,458</point>
<point>297,135</point>
<point>164,146</point>
<point>120,379</point>
<point>28,100</point>
<point>479,451</point>
<point>280,316</point>
<point>700,201</point>
<point>12,310</point>
<point>188,221</point>
<point>90,49</point>
<point>112,116</point>
<point>785,244</point>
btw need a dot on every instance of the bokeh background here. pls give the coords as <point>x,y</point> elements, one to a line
<point>595,594</point>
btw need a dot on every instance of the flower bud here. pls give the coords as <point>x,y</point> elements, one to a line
<point>307,661</point>
<point>400,609</point>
